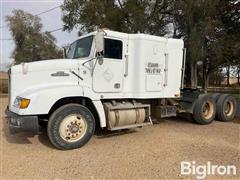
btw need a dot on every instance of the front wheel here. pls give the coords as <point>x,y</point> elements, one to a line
<point>71,126</point>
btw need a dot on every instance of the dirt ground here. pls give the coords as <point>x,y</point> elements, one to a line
<point>152,152</point>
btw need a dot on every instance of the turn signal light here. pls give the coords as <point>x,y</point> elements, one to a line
<point>24,103</point>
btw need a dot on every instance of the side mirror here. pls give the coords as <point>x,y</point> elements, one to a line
<point>99,41</point>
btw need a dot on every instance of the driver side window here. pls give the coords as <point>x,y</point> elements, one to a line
<point>113,48</point>
<point>71,50</point>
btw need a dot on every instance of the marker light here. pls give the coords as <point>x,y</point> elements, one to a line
<point>21,103</point>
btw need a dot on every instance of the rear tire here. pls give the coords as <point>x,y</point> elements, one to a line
<point>216,96</point>
<point>226,108</point>
<point>70,126</point>
<point>204,110</point>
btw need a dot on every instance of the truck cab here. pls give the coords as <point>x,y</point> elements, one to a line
<point>108,79</point>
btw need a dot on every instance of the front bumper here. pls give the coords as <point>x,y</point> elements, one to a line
<point>17,123</point>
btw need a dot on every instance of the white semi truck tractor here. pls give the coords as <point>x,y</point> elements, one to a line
<point>109,80</point>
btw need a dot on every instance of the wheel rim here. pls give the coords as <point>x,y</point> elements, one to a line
<point>207,110</point>
<point>228,108</point>
<point>73,128</point>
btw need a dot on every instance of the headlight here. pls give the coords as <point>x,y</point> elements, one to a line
<point>21,103</point>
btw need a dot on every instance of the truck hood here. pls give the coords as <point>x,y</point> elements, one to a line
<point>45,65</point>
<point>36,75</point>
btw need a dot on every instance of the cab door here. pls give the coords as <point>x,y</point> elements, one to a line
<point>108,76</point>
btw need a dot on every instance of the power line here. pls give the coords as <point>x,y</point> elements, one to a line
<point>47,11</point>
<point>55,30</point>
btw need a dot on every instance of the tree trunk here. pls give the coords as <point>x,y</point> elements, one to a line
<point>194,78</point>
<point>228,75</point>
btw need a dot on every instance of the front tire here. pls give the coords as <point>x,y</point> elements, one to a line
<point>71,126</point>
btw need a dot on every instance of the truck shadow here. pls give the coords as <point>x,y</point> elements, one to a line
<point>101,134</point>
<point>25,137</point>
<point>21,138</point>
<point>43,138</point>
<point>180,119</point>
<point>237,120</point>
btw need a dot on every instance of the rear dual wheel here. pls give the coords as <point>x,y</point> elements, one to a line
<point>223,107</point>
<point>226,108</point>
<point>204,110</point>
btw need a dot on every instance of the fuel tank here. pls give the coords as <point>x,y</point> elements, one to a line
<point>124,113</point>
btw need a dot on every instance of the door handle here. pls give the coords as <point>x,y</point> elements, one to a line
<point>117,85</point>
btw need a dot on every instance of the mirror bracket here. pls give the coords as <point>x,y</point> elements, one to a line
<point>99,58</point>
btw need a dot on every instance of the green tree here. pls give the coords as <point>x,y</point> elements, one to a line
<point>211,33</point>
<point>210,28</point>
<point>198,23</point>
<point>229,13</point>
<point>31,43</point>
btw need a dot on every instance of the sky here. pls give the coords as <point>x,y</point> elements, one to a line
<point>51,21</point>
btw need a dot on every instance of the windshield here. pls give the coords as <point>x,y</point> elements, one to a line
<point>80,48</point>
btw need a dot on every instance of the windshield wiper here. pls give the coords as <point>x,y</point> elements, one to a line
<point>88,61</point>
<point>73,72</point>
